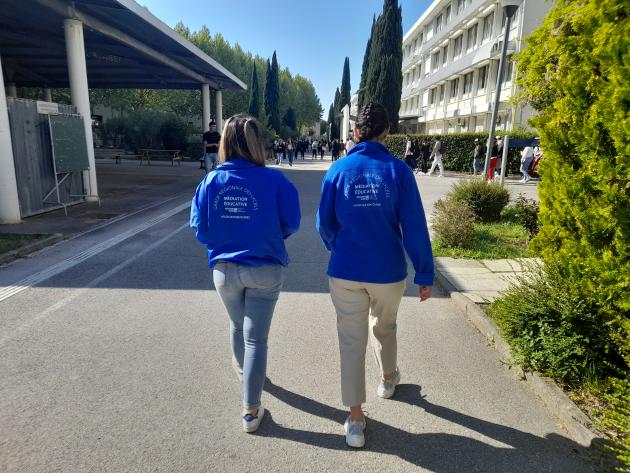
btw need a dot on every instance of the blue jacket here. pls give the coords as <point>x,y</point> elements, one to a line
<point>244,212</point>
<point>370,213</point>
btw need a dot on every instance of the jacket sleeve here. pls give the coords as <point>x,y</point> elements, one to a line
<point>199,213</point>
<point>288,207</point>
<point>327,224</point>
<point>415,233</point>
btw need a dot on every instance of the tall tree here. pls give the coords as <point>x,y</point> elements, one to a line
<point>272,94</point>
<point>345,83</point>
<point>331,122</point>
<point>384,77</point>
<point>366,64</point>
<point>289,119</point>
<point>254,95</point>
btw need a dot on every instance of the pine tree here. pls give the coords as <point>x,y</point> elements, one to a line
<point>272,94</point>
<point>345,83</point>
<point>366,64</point>
<point>254,97</point>
<point>384,75</point>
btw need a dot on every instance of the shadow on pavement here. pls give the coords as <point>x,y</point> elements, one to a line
<point>438,452</point>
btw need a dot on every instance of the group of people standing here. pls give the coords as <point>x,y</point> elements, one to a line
<point>370,214</point>
<point>290,149</point>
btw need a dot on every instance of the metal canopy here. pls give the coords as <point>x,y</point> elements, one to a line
<point>125,45</point>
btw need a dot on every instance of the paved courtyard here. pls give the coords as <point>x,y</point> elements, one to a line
<point>114,357</point>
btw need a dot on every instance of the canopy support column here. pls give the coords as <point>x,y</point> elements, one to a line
<point>9,200</point>
<point>77,72</point>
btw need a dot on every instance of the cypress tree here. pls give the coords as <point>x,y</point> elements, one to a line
<point>272,94</point>
<point>254,97</point>
<point>345,84</point>
<point>366,64</point>
<point>384,76</point>
<point>289,120</point>
<point>337,110</point>
<point>331,121</point>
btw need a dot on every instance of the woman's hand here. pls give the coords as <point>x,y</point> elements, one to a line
<point>425,292</point>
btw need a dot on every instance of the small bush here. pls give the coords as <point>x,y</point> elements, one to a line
<point>453,222</point>
<point>524,212</point>
<point>173,133</point>
<point>485,199</point>
<point>554,329</point>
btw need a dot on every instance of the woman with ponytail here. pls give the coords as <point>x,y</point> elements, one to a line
<point>243,212</point>
<point>369,215</point>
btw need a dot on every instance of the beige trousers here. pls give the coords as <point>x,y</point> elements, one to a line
<point>362,308</point>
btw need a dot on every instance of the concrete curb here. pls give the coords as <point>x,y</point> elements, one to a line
<point>579,426</point>
<point>30,248</point>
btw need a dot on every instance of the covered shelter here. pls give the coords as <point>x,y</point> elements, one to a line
<point>83,44</point>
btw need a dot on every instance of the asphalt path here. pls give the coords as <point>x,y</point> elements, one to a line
<point>120,363</point>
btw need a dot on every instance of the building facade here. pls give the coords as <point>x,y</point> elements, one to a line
<point>451,63</point>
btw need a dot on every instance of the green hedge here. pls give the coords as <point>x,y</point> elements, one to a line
<point>459,149</point>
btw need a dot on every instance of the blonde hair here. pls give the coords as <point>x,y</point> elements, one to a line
<point>242,138</point>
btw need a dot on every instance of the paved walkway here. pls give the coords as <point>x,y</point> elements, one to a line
<point>114,356</point>
<point>481,281</point>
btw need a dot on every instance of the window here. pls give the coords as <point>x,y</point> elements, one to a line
<point>432,97</point>
<point>420,39</point>
<point>508,69</point>
<point>454,89</point>
<point>427,64</point>
<point>461,4</point>
<point>435,61</point>
<point>472,37</point>
<point>441,96</point>
<point>440,19</point>
<point>514,18</point>
<point>468,80</point>
<point>488,23</point>
<point>448,14</point>
<point>483,78</point>
<point>457,46</point>
<point>444,55</point>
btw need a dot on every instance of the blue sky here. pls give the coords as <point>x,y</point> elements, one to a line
<point>311,37</point>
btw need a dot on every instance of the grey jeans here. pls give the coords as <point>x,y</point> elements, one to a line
<point>249,294</point>
<point>210,161</point>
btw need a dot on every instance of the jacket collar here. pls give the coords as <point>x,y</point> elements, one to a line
<point>236,163</point>
<point>368,147</point>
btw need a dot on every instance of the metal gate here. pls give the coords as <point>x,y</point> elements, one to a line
<point>32,154</point>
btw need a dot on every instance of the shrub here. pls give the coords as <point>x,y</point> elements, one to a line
<point>617,419</point>
<point>173,133</point>
<point>485,199</point>
<point>459,149</point>
<point>524,212</point>
<point>553,328</point>
<point>453,222</point>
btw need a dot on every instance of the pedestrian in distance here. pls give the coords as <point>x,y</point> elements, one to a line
<point>493,159</point>
<point>477,152</point>
<point>335,150</point>
<point>243,211</point>
<point>409,152</point>
<point>349,144</point>
<point>314,149</point>
<point>320,149</point>
<point>280,150</point>
<point>369,211</point>
<point>290,151</point>
<point>527,156</point>
<point>211,139</point>
<point>425,152</point>
<point>437,154</point>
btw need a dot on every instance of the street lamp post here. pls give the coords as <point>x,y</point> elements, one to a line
<point>509,8</point>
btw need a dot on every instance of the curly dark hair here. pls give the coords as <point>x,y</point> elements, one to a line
<point>372,121</point>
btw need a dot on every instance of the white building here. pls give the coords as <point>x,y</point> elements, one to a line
<point>451,62</point>
<point>349,118</point>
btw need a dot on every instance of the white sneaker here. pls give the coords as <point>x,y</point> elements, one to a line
<point>387,387</point>
<point>355,436</point>
<point>252,422</point>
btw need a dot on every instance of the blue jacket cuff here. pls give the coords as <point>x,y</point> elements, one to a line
<point>424,279</point>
